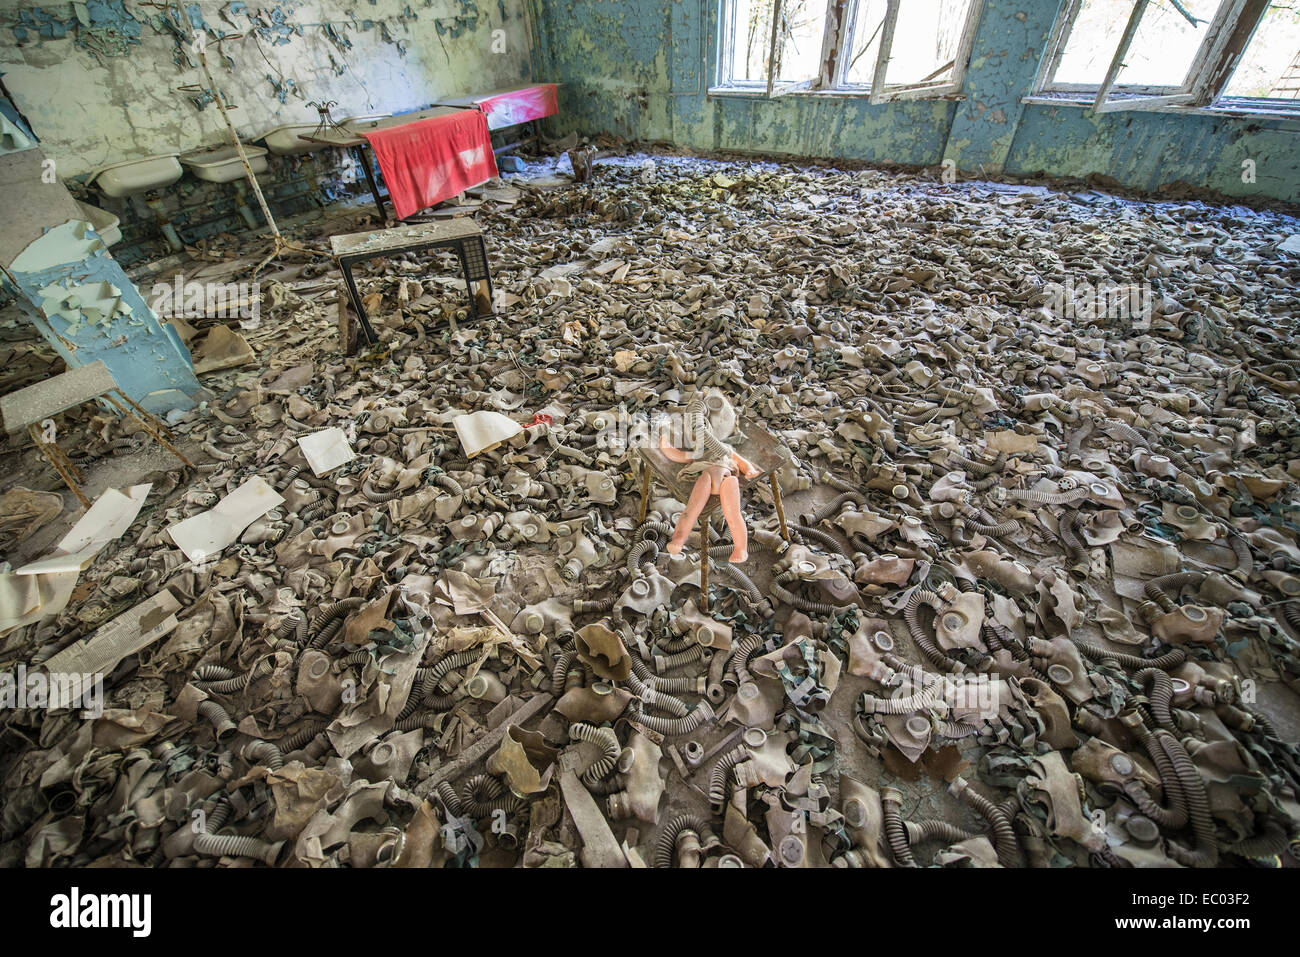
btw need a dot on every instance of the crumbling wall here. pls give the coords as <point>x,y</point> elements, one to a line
<point>641,69</point>
<point>100,81</point>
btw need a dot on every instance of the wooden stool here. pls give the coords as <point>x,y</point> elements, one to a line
<point>37,403</point>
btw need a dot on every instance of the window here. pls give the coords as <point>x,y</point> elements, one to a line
<point>1143,54</point>
<point>885,49</point>
<point>1269,70</point>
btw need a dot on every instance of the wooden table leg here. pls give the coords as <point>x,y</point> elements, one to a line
<point>780,509</point>
<point>704,563</point>
<point>68,480</point>
<point>645,493</point>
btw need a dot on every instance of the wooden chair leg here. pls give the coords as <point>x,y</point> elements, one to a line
<point>704,563</point>
<point>645,493</point>
<point>62,457</point>
<point>780,509</point>
<point>144,418</point>
<point>144,415</point>
<point>68,480</point>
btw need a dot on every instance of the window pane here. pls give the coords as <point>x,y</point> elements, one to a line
<point>1092,41</point>
<point>802,31</point>
<point>866,41</point>
<point>926,38</point>
<point>1271,64</point>
<point>752,25</point>
<point>1161,52</point>
<point>1165,44</point>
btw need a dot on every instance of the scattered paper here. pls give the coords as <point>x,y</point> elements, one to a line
<point>326,450</point>
<point>124,635</point>
<point>223,348</point>
<point>107,518</point>
<point>42,588</point>
<point>484,430</point>
<point>204,535</point>
<point>28,598</point>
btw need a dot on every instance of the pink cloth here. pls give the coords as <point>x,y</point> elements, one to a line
<point>431,160</point>
<point>519,106</point>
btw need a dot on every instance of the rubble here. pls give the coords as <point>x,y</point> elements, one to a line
<point>1038,605</point>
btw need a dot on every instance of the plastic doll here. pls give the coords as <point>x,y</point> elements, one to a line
<point>717,464</point>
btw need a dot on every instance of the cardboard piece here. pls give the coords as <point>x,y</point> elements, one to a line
<point>126,634</point>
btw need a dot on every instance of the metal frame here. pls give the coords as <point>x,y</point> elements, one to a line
<point>68,471</point>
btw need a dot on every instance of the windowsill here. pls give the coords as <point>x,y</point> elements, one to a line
<point>850,94</point>
<point>1232,111</point>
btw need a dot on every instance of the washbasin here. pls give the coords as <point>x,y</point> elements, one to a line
<point>105,223</point>
<point>220,164</point>
<point>286,140</point>
<point>363,118</point>
<point>137,175</point>
<point>361,125</point>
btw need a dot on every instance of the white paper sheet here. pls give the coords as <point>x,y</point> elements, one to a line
<point>326,450</point>
<point>42,588</point>
<point>203,536</point>
<point>107,518</point>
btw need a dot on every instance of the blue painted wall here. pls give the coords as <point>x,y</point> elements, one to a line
<point>641,68</point>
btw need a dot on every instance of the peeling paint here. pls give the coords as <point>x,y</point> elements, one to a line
<point>73,241</point>
<point>84,305</point>
<point>640,69</point>
<point>91,110</point>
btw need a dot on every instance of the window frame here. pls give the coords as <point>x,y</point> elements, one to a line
<point>837,44</point>
<point>1227,37</point>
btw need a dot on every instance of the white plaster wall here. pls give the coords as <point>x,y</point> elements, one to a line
<point>91,111</point>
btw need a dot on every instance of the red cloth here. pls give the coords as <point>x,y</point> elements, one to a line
<point>431,160</point>
<point>519,106</point>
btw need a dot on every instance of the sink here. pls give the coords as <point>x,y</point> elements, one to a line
<point>137,175</point>
<point>220,164</point>
<point>363,118</point>
<point>361,125</point>
<point>105,223</point>
<point>285,140</point>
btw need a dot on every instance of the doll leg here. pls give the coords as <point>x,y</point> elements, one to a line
<point>730,496</point>
<point>699,498</point>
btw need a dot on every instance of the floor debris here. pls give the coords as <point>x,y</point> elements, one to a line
<point>1039,606</point>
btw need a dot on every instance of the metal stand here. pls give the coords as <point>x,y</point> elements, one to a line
<point>63,465</point>
<point>70,474</point>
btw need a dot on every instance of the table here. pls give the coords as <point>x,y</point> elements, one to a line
<point>358,145</point>
<point>510,106</point>
<point>463,235</point>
